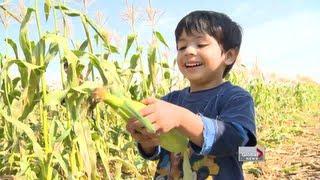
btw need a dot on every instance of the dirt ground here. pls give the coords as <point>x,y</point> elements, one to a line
<point>297,158</point>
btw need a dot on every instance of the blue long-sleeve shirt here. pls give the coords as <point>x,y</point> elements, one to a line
<point>227,112</point>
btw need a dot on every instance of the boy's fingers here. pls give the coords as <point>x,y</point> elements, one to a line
<point>158,129</point>
<point>153,135</point>
<point>156,141</point>
<point>152,117</point>
<point>136,137</point>
<point>143,138</point>
<point>137,125</point>
<point>150,141</point>
<point>133,125</point>
<point>147,110</point>
<point>148,101</point>
<point>145,132</point>
<point>129,128</point>
<point>131,120</point>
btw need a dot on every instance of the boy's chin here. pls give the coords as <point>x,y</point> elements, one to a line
<point>195,79</point>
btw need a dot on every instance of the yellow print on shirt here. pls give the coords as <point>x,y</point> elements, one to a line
<point>203,168</point>
<point>206,161</point>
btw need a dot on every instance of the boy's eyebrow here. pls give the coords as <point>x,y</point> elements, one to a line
<point>200,36</point>
<point>196,37</point>
<point>181,39</point>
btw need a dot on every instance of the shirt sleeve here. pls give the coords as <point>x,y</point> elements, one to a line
<point>233,137</point>
<point>223,136</point>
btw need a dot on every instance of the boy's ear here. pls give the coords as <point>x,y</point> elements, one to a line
<point>231,56</point>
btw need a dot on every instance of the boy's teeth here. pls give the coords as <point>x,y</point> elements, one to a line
<point>193,64</point>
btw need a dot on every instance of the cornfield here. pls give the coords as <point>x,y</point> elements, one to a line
<point>50,133</point>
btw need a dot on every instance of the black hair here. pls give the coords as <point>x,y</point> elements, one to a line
<point>218,25</point>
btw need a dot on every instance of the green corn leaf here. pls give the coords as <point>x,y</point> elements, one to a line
<point>24,67</point>
<point>104,157</point>
<point>152,56</point>
<point>67,10</point>
<point>160,37</point>
<point>101,32</point>
<point>130,40</point>
<point>84,45</point>
<point>14,94</point>
<point>24,64</point>
<point>86,146</point>
<point>96,38</point>
<point>39,51</point>
<point>1,59</point>
<point>86,87</point>
<point>152,65</point>
<point>52,52</point>
<point>26,129</point>
<point>134,61</point>
<point>72,158</point>
<point>60,40</point>
<point>6,88</point>
<point>126,164</point>
<point>55,97</point>
<point>63,163</point>
<point>51,134</point>
<point>72,60</point>
<point>112,146</point>
<point>23,38</point>
<point>111,48</point>
<point>167,75</point>
<point>113,75</point>
<point>187,171</point>
<point>31,94</point>
<point>174,141</point>
<point>63,136</point>
<point>15,81</point>
<point>96,63</point>
<point>24,76</point>
<point>80,68</point>
<point>164,65</point>
<point>72,13</point>
<point>58,156</point>
<point>61,7</point>
<point>13,46</point>
<point>47,7</point>
<point>93,62</point>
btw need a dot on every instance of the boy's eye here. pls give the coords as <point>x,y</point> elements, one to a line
<point>202,45</point>
<point>182,48</point>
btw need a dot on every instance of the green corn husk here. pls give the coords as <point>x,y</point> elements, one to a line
<point>172,141</point>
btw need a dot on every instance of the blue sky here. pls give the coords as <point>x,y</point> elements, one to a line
<point>281,36</point>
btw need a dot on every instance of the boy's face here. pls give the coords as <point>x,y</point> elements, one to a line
<point>200,60</point>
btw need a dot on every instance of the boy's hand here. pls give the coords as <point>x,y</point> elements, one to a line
<point>140,134</point>
<point>163,115</point>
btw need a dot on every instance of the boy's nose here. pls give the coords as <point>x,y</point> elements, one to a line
<point>190,50</point>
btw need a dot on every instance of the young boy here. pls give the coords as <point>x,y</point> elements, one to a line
<point>216,116</point>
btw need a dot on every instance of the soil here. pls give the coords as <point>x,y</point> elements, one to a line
<point>297,158</point>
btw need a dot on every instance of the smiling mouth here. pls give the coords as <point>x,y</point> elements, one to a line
<point>192,65</point>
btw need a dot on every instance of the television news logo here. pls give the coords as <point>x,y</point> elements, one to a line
<point>251,154</point>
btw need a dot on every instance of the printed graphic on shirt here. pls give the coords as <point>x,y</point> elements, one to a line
<point>170,167</point>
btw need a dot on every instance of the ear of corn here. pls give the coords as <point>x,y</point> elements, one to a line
<point>125,107</point>
<point>172,141</point>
